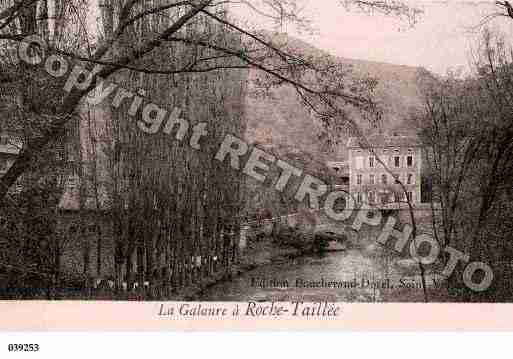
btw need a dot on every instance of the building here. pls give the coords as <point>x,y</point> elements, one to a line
<point>341,172</point>
<point>377,171</point>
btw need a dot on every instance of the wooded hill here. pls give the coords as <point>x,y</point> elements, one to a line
<point>281,120</point>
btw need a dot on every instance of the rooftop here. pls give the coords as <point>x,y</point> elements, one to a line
<point>384,140</point>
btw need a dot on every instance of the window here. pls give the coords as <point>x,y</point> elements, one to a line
<point>397,197</point>
<point>358,179</point>
<point>359,162</point>
<point>371,161</point>
<point>384,199</point>
<point>384,179</point>
<point>409,161</point>
<point>396,178</point>
<point>371,179</point>
<point>410,179</point>
<point>359,197</point>
<point>372,197</point>
<point>397,161</point>
<point>409,196</point>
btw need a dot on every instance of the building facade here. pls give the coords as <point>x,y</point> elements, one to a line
<point>341,172</point>
<point>385,171</point>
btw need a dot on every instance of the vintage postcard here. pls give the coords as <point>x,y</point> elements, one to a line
<point>267,164</point>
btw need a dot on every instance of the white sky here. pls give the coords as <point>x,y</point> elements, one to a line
<point>441,40</point>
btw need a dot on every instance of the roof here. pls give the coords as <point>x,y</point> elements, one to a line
<point>337,163</point>
<point>383,140</point>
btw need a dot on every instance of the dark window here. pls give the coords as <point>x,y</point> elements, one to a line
<point>384,179</point>
<point>396,178</point>
<point>409,161</point>
<point>397,161</point>
<point>371,161</point>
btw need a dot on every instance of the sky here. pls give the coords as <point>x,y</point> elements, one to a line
<point>443,39</point>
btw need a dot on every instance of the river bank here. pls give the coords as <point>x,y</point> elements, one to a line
<point>256,254</point>
<point>365,272</point>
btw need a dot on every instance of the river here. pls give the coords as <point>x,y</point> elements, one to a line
<point>355,275</point>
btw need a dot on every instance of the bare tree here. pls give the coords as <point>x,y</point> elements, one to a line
<point>165,47</point>
<point>21,18</point>
<point>467,131</point>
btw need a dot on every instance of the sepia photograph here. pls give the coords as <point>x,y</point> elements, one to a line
<point>282,156</point>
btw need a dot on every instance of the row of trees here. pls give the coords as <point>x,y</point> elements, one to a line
<point>173,206</point>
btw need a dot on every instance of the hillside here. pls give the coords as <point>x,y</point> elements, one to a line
<point>283,122</point>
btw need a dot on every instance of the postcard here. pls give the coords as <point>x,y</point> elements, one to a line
<point>256,165</point>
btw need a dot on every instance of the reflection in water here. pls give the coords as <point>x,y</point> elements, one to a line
<point>350,276</point>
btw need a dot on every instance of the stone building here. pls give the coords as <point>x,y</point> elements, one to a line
<point>377,170</point>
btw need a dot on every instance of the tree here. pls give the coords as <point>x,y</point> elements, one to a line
<point>467,130</point>
<point>65,34</point>
<point>164,47</point>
